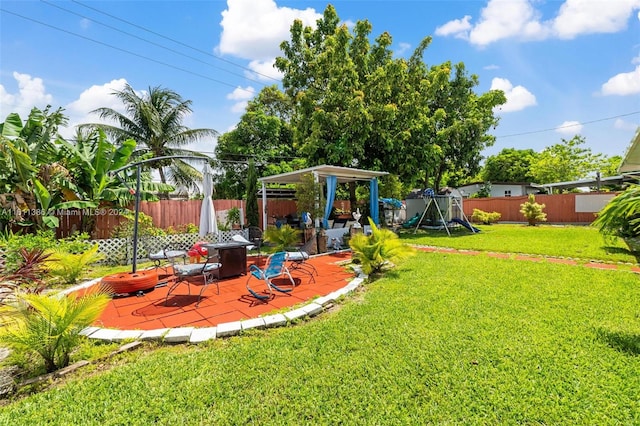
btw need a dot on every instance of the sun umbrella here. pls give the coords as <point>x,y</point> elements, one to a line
<point>208,222</point>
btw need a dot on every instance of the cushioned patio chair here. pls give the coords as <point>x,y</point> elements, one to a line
<point>200,274</point>
<point>276,266</point>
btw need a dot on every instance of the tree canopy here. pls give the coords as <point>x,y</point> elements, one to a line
<point>510,165</point>
<point>155,121</point>
<point>353,104</point>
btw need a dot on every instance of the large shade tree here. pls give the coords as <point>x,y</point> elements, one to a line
<point>567,161</point>
<point>510,165</point>
<point>355,105</point>
<point>154,119</point>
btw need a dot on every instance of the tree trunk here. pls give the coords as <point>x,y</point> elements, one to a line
<point>163,179</point>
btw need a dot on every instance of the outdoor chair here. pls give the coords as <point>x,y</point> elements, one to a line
<point>201,274</point>
<point>163,259</point>
<point>298,262</point>
<point>276,266</point>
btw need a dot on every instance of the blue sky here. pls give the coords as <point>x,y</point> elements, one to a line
<point>567,67</point>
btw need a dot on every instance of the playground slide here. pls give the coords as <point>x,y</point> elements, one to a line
<point>411,222</point>
<point>465,224</point>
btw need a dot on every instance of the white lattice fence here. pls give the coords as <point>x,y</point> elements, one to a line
<point>120,250</point>
<point>3,259</point>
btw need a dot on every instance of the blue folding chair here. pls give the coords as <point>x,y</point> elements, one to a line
<point>274,268</point>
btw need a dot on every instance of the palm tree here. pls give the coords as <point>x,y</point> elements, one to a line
<point>154,121</point>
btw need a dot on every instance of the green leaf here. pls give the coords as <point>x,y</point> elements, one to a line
<point>12,126</point>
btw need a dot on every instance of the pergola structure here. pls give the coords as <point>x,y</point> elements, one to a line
<point>331,176</point>
<point>631,161</point>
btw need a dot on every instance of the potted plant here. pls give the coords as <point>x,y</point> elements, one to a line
<point>233,218</point>
<point>620,218</point>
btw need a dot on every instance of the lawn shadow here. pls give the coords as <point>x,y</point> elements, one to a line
<point>622,341</point>
<point>622,250</point>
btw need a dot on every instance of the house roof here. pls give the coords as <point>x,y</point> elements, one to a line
<point>344,174</point>
<point>631,160</point>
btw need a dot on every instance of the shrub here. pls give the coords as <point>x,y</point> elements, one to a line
<point>146,228</point>
<point>532,211</point>
<point>50,325</point>
<point>69,266</point>
<point>380,249</point>
<point>485,217</point>
<point>42,240</point>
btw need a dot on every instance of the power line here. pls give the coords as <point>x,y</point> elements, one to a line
<point>125,51</point>
<point>148,41</point>
<point>176,41</point>
<point>567,126</point>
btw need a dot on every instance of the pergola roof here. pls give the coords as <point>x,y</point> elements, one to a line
<point>344,174</point>
<point>631,160</point>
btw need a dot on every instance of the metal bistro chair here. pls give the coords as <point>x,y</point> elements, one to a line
<point>274,268</point>
<point>201,274</point>
<point>163,259</point>
<point>298,262</point>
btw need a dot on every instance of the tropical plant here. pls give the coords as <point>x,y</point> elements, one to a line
<point>50,325</point>
<point>282,238</point>
<point>155,121</point>
<point>31,172</point>
<point>91,158</point>
<point>621,216</point>
<point>69,266</point>
<point>532,211</point>
<point>29,274</point>
<point>16,242</point>
<point>382,249</point>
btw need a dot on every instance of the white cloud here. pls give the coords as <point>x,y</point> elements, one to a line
<point>502,19</point>
<point>518,97</point>
<point>491,67</point>
<point>569,128</point>
<point>31,93</point>
<point>623,84</point>
<point>578,17</point>
<point>264,71</point>
<point>255,29</point>
<point>459,28</point>
<point>79,111</point>
<point>402,48</point>
<point>624,125</point>
<point>519,19</point>
<point>241,95</point>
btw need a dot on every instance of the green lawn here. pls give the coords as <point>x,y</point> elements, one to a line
<point>443,339</point>
<point>582,242</point>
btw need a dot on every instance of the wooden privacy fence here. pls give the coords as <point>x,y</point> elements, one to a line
<point>169,213</point>
<point>560,208</point>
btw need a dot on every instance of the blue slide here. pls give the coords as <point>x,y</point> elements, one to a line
<point>465,224</point>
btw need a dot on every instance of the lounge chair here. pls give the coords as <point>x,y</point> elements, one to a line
<point>274,268</point>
